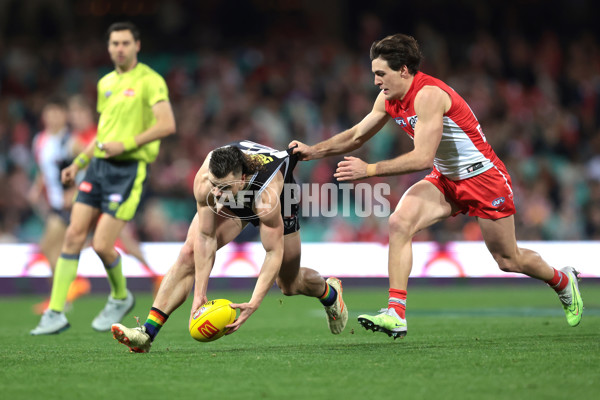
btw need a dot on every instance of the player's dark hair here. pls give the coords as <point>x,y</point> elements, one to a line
<point>225,160</point>
<point>123,26</point>
<point>398,50</point>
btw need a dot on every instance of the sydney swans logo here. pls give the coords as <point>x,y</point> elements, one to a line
<point>246,201</point>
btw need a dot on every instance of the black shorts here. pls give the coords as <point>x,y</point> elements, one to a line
<point>291,224</point>
<point>114,187</point>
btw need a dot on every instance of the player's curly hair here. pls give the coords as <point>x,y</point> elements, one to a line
<point>398,50</point>
<point>225,160</point>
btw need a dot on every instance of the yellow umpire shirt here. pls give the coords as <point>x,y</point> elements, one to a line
<point>125,104</point>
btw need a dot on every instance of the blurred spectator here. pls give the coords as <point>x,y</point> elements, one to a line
<point>535,90</point>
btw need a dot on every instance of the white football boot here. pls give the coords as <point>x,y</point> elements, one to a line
<point>136,339</point>
<point>51,322</point>
<point>337,313</point>
<point>113,312</point>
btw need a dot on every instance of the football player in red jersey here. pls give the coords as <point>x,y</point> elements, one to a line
<point>466,176</point>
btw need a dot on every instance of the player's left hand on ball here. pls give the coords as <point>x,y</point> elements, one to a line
<point>246,310</point>
<point>351,169</point>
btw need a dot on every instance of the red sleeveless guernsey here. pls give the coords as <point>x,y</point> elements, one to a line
<point>463,151</point>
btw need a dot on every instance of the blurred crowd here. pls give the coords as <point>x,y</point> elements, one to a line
<point>537,96</point>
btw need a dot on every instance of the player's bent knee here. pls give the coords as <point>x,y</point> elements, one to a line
<point>286,288</point>
<point>103,250</point>
<point>286,291</point>
<point>74,237</point>
<point>399,224</point>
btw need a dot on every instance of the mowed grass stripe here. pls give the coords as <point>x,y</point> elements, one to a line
<point>286,351</point>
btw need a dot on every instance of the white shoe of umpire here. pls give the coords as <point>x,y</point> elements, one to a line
<point>337,313</point>
<point>51,322</point>
<point>113,312</point>
<point>136,339</point>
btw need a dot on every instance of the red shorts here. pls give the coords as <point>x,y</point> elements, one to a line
<point>488,195</point>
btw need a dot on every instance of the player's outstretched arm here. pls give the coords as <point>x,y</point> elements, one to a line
<point>350,139</point>
<point>205,239</point>
<point>430,105</point>
<point>271,236</point>
<point>205,249</point>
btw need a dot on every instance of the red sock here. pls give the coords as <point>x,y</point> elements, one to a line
<point>397,301</point>
<point>559,281</point>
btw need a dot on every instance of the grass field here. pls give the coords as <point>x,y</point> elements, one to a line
<point>464,342</point>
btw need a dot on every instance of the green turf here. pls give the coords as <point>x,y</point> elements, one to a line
<point>464,342</point>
